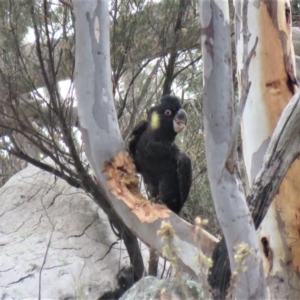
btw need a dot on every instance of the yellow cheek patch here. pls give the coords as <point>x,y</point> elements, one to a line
<point>155,121</point>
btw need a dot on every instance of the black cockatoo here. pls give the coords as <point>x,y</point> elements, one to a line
<point>166,170</point>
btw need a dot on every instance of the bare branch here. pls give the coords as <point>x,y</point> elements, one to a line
<point>283,147</point>
<point>121,109</point>
<point>46,252</point>
<point>138,102</point>
<point>170,66</point>
<point>67,3</point>
<point>107,252</point>
<point>230,163</point>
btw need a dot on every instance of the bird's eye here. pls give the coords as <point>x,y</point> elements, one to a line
<point>168,112</point>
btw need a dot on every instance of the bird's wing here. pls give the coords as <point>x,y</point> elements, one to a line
<point>135,136</point>
<point>184,174</point>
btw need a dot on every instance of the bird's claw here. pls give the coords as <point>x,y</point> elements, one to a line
<point>156,200</point>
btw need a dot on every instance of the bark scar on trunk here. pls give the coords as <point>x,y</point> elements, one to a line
<point>123,182</point>
<point>267,251</point>
<point>287,14</point>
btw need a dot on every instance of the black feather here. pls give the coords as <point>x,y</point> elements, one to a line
<point>166,170</point>
<point>184,173</point>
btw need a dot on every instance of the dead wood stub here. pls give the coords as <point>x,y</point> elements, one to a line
<point>123,182</point>
<point>267,251</point>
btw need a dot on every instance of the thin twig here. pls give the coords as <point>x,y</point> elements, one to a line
<point>164,268</point>
<point>47,249</point>
<point>121,109</point>
<point>108,251</point>
<point>236,123</point>
<point>67,3</point>
<point>236,128</point>
<point>44,261</point>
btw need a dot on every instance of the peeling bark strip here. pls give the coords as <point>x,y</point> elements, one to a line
<point>280,14</point>
<point>284,146</point>
<point>123,182</point>
<point>229,199</point>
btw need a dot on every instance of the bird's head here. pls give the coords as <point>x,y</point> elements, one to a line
<point>167,118</point>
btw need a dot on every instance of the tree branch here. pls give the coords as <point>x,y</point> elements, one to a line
<point>67,3</point>
<point>283,147</point>
<point>169,76</point>
<point>237,120</point>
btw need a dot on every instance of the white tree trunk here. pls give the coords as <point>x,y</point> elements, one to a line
<point>230,203</point>
<point>271,72</point>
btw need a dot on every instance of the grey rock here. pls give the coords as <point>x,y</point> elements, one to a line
<point>53,233</point>
<point>152,288</point>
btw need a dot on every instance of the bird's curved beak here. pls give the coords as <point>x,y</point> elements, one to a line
<point>180,120</point>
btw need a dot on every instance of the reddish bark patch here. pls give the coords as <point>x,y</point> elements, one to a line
<point>123,182</point>
<point>274,84</point>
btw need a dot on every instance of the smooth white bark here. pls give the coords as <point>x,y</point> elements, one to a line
<point>230,203</point>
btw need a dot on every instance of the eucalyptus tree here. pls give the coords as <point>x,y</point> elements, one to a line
<point>267,82</point>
